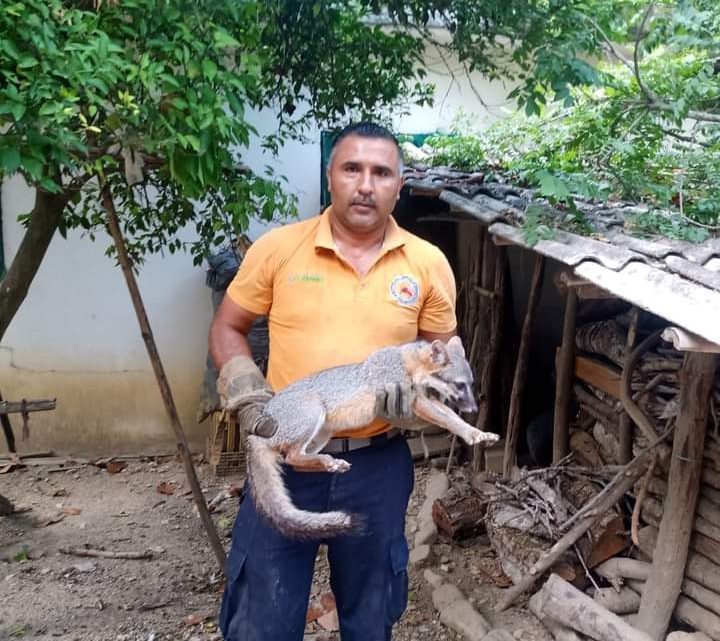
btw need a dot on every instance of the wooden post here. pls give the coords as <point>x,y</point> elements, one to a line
<point>518,386</point>
<point>7,429</point>
<point>165,391</point>
<point>564,367</point>
<point>486,304</point>
<point>487,376</point>
<point>665,580</point>
<point>625,428</point>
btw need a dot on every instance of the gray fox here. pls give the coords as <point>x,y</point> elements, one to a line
<point>310,411</point>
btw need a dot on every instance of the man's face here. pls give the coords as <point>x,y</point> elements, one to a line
<point>364,181</point>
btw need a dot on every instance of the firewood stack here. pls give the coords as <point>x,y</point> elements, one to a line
<point>576,517</point>
<point>596,437</point>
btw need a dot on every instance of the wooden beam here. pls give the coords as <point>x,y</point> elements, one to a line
<point>18,407</point>
<point>518,386</point>
<point>664,583</point>
<point>604,377</point>
<point>584,289</point>
<point>563,387</point>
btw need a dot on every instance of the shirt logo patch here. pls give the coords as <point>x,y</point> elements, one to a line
<point>305,278</point>
<point>404,289</point>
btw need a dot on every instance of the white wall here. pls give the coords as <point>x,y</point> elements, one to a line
<point>76,336</point>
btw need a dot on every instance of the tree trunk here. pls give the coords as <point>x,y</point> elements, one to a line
<point>44,220</point>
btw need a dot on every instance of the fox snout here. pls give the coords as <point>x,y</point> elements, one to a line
<point>466,403</point>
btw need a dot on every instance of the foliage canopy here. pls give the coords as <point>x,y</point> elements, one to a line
<point>645,127</point>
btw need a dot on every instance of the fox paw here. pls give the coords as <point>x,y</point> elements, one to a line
<point>340,466</point>
<point>476,437</point>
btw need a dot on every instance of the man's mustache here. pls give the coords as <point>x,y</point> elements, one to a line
<point>364,202</point>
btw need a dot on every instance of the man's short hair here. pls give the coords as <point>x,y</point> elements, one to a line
<point>367,129</point>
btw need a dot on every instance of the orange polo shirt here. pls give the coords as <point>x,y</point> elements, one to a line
<point>321,313</point>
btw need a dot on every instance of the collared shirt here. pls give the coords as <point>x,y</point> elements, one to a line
<point>322,313</point>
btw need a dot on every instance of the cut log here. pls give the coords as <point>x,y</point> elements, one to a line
<point>458,513</point>
<point>640,571</point>
<point>574,609</point>
<point>699,568</point>
<point>706,508</point>
<point>518,386</point>
<point>671,550</point>
<point>555,628</point>
<point>564,368</point>
<point>605,338</point>
<point>653,513</point>
<point>689,612</point>
<point>603,409</point>
<point>623,601</point>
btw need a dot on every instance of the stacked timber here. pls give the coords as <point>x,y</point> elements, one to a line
<point>611,375</point>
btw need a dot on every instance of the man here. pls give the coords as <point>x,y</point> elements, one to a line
<point>335,288</point>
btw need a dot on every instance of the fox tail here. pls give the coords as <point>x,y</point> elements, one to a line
<point>272,499</point>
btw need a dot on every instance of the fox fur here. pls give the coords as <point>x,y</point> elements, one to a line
<point>310,411</point>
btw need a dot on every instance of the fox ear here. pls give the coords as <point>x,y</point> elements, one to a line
<point>438,353</point>
<point>455,344</point>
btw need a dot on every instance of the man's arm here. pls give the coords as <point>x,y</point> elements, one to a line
<point>228,332</point>
<point>241,385</point>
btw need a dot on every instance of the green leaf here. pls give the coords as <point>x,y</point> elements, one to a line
<point>551,185</point>
<point>209,69</point>
<point>194,141</point>
<point>9,160</point>
<point>224,39</point>
<point>26,62</point>
<point>18,110</point>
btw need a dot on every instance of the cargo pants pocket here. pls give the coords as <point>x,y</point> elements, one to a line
<point>397,597</point>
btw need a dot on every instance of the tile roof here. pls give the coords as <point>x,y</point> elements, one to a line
<point>677,280</point>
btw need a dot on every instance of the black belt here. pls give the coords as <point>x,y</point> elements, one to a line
<point>341,445</point>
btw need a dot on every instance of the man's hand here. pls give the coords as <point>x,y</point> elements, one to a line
<point>244,391</point>
<point>395,402</point>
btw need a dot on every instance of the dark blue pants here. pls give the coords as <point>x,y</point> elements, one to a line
<point>268,577</point>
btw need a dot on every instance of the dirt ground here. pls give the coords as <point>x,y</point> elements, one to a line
<point>47,594</point>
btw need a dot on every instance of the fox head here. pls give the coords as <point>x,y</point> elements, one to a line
<point>448,364</point>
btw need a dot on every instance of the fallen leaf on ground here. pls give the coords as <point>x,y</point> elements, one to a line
<point>166,488</point>
<point>113,467</point>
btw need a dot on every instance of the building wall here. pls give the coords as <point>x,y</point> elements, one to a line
<point>76,337</point>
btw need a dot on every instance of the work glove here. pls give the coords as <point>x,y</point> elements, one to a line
<point>244,391</point>
<point>395,401</point>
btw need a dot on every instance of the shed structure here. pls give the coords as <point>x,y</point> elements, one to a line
<point>671,290</point>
